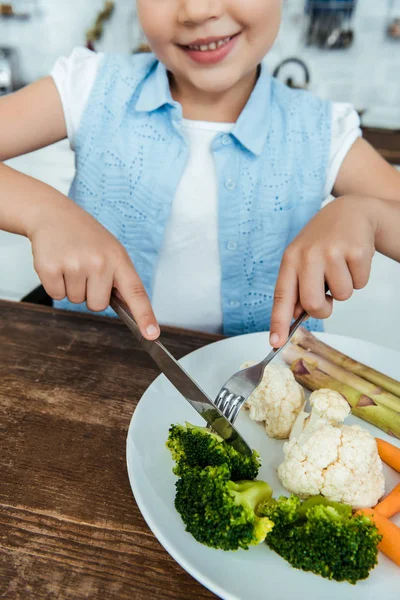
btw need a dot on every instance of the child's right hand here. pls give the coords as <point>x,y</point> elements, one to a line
<point>75,256</point>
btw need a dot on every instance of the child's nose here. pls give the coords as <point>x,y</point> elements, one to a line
<point>199,11</point>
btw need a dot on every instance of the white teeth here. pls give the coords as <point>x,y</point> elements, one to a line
<point>211,46</point>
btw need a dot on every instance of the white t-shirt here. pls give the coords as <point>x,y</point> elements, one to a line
<point>191,237</point>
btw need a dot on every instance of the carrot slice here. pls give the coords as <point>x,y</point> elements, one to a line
<point>390,543</point>
<point>389,454</point>
<point>390,505</point>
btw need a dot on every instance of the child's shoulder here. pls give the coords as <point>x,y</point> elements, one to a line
<point>83,63</point>
<point>135,63</point>
<point>291,97</point>
<point>299,108</point>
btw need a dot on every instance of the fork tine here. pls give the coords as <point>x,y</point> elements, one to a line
<point>235,408</point>
<point>220,399</point>
<point>227,402</point>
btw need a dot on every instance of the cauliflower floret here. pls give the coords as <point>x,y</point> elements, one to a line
<point>277,400</point>
<point>327,407</point>
<point>341,462</point>
<point>330,405</point>
<point>357,478</point>
<point>306,458</point>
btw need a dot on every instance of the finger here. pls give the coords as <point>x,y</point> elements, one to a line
<point>359,264</point>
<point>52,280</point>
<point>75,283</point>
<point>129,285</point>
<point>285,299</point>
<point>339,280</point>
<point>75,288</point>
<point>298,309</point>
<point>98,292</point>
<point>312,290</point>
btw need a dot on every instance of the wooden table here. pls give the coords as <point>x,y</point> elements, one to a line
<point>69,525</point>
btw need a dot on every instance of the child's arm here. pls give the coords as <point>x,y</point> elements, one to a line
<point>337,246</point>
<point>73,254</point>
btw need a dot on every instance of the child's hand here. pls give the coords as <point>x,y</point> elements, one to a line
<point>335,247</point>
<point>75,256</point>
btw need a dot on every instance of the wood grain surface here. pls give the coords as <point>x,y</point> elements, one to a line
<point>385,141</point>
<point>69,525</point>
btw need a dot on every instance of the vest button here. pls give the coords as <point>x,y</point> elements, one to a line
<point>230,184</point>
<point>232,245</point>
<point>234,303</point>
<point>225,140</point>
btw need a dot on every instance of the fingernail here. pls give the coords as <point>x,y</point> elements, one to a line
<point>274,339</point>
<point>152,330</point>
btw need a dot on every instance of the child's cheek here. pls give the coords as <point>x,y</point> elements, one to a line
<point>156,25</point>
<point>263,19</point>
<point>159,43</point>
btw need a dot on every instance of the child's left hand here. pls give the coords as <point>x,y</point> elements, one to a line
<point>335,247</point>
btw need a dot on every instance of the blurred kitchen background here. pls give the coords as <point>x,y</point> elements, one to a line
<point>345,50</point>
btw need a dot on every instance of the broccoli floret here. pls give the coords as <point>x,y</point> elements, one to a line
<point>342,509</point>
<point>220,513</point>
<point>194,446</point>
<point>216,495</point>
<point>322,537</point>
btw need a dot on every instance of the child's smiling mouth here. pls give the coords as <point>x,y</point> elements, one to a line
<point>210,50</point>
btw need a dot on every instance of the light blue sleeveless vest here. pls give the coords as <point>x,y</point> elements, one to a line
<point>272,168</point>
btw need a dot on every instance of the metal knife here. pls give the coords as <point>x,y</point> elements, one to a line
<point>167,364</point>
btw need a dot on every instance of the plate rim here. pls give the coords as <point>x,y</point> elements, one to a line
<point>181,561</point>
<point>176,555</point>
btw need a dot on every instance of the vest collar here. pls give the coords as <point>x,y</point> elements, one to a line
<point>251,128</point>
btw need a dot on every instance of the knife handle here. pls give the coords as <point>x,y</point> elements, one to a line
<point>122,310</point>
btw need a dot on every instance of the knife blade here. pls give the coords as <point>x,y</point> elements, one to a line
<point>182,381</point>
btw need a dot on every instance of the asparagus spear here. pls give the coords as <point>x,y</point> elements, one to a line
<point>308,341</point>
<point>379,396</point>
<point>368,402</point>
<point>362,406</point>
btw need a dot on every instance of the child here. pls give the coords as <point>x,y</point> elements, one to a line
<point>195,170</point>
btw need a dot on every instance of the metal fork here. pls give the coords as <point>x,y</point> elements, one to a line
<point>238,388</point>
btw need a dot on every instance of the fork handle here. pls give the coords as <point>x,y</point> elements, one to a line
<point>303,316</point>
<point>292,330</point>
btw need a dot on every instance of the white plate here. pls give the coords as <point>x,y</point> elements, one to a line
<point>259,573</point>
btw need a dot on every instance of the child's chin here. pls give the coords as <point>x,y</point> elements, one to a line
<point>214,81</point>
